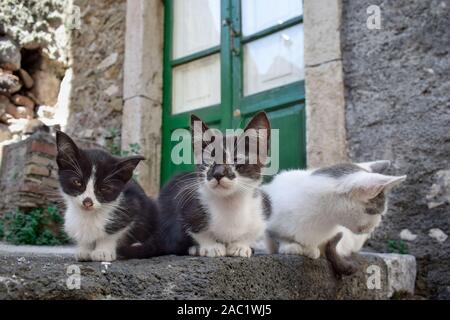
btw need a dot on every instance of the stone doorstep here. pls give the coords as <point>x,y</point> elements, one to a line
<point>28,272</point>
<point>402,271</point>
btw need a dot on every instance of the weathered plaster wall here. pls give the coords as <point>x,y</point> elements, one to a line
<point>325,105</point>
<point>397,82</point>
<point>143,68</point>
<point>37,24</point>
<point>97,86</point>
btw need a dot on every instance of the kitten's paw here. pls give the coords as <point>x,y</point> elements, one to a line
<point>83,255</point>
<point>103,255</point>
<point>193,251</point>
<point>291,248</point>
<point>239,250</point>
<point>313,253</point>
<point>214,250</point>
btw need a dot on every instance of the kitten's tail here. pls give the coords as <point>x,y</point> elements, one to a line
<point>340,265</point>
<point>271,243</point>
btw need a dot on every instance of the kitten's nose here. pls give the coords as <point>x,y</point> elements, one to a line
<point>219,172</point>
<point>87,203</point>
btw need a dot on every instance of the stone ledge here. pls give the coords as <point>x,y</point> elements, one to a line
<point>44,276</point>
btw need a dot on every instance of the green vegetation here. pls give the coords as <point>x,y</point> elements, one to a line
<point>37,227</point>
<point>397,246</point>
<point>113,145</point>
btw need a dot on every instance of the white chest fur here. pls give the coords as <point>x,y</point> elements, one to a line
<point>236,218</point>
<point>84,226</point>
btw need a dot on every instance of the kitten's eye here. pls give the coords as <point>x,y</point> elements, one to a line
<point>76,182</point>
<point>105,188</point>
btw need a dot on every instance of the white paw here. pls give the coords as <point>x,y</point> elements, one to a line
<point>313,253</point>
<point>214,250</point>
<point>83,255</point>
<point>239,250</point>
<point>193,251</point>
<point>291,248</point>
<point>103,255</point>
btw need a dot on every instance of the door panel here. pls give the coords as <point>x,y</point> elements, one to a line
<point>262,14</point>
<point>196,84</point>
<point>290,123</point>
<point>226,70</point>
<point>274,60</point>
<point>196,26</point>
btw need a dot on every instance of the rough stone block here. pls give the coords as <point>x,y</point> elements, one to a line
<point>5,134</point>
<point>45,276</point>
<point>9,54</point>
<point>141,123</point>
<point>402,270</point>
<point>39,160</point>
<point>325,111</point>
<point>24,165</point>
<point>43,147</point>
<point>322,21</point>
<point>9,83</point>
<point>37,170</point>
<point>143,62</point>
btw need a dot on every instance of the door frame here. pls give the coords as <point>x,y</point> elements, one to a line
<point>231,62</point>
<point>143,83</point>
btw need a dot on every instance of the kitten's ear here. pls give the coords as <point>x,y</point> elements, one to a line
<point>261,125</point>
<point>68,152</point>
<point>366,186</point>
<point>379,166</point>
<point>201,137</point>
<point>125,167</point>
<point>197,123</point>
<point>259,121</point>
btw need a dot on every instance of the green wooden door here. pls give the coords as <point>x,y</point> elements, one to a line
<point>225,60</point>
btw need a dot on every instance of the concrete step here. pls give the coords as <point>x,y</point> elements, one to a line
<point>54,274</point>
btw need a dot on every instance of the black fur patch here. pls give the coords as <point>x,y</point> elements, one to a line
<point>181,211</point>
<point>267,204</point>
<point>338,170</point>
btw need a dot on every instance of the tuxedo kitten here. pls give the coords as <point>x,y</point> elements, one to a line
<point>219,209</point>
<point>340,204</point>
<point>107,212</point>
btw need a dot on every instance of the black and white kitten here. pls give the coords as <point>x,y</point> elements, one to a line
<point>219,209</point>
<point>107,212</point>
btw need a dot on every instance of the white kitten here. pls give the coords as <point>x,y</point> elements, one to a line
<point>312,207</point>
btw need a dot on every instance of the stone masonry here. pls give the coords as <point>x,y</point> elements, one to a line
<point>96,101</point>
<point>47,275</point>
<point>398,107</point>
<point>28,176</point>
<point>28,173</point>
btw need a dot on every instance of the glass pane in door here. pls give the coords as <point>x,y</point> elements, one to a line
<point>196,84</point>
<point>274,60</point>
<point>262,14</point>
<point>196,26</point>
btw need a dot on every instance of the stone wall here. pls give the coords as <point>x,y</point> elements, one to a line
<point>34,57</point>
<point>28,174</point>
<point>398,107</point>
<point>61,67</point>
<point>45,275</point>
<point>97,85</point>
